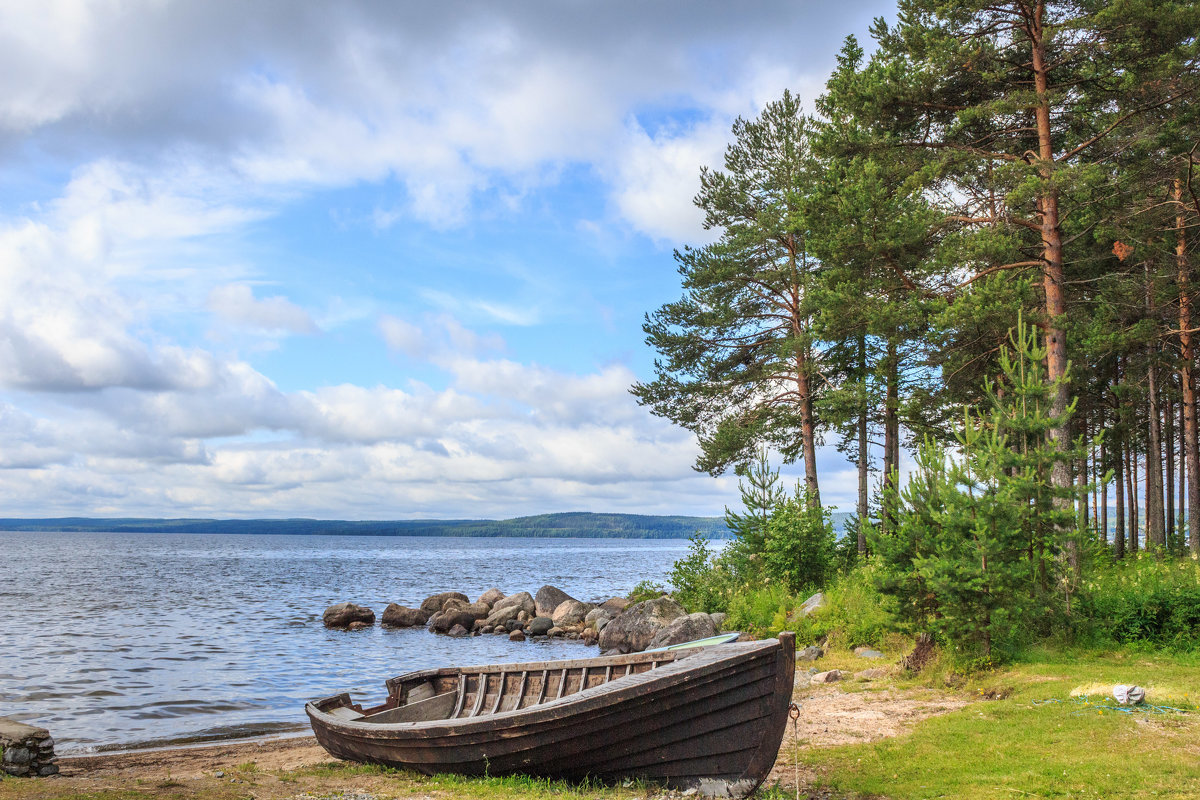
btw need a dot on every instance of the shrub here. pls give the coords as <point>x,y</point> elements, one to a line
<point>855,611</point>
<point>646,590</point>
<point>700,581</point>
<point>798,549</point>
<point>1144,600</point>
<point>763,610</point>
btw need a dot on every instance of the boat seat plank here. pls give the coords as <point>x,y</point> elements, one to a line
<point>431,708</point>
<point>345,713</point>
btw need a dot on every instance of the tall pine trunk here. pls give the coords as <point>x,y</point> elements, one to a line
<point>1169,466</point>
<point>1191,448</point>
<point>1119,485</point>
<point>863,453</point>
<point>1156,537</point>
<point>1052,268</point>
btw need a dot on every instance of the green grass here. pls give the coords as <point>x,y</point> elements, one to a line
<point>1014,747</point>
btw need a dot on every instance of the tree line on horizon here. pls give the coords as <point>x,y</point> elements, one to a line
<point>987,165</point>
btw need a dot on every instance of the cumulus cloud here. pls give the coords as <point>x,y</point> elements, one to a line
<point>439,337</point>
<point>236,303</point>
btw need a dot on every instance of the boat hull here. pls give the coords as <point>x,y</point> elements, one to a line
<point>711,720</point>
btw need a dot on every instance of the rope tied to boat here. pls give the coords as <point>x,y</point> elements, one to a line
<point>794,713</point>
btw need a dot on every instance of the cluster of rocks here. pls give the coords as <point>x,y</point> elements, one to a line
<point>28,750</point>
<point>613,624</point>
<point>815,676</point>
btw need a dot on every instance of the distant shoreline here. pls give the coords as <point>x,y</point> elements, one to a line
<point>584,525</point>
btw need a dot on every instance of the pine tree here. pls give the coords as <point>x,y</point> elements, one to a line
<point>978,551</point>
<point>736,352</point>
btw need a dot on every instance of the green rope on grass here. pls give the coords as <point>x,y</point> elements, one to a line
<point>1089,705</point>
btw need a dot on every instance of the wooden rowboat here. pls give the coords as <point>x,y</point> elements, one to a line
<point>709,718</point>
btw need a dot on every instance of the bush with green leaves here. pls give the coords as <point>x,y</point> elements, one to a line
<point>700,581</point>
<point>798,545</point>
<point>1144,601</point>
<point>855,611</point>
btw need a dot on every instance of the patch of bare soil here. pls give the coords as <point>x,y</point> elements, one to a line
<point>831,717</point>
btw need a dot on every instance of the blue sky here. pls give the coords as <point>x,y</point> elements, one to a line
<point>363,260</point>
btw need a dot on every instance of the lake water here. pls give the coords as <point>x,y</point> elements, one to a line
<point>119,640</point>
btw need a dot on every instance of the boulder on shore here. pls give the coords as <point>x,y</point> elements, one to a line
<point>634,629</point>
<point>434,603</point>
<point>810,653</point>
<point>398,616</point>
<point>491,597</point>
<point>571,612</point>
<point>830,676</point>
<point>443,621</point>
<point>549,598</point>
<point>342,615</point>
<point>616,604</point>
<point>867,652</point>
<point>812,604</point>
<point>511,608</point>
<point>540,626</point>
<point>685,629</point>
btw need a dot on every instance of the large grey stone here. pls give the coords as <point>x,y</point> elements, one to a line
<point>685,629</point>
<point>616,604</point>
<point>810,653</point>
<point>549,598</point>
<point>570,612</point>
<point>634,629</point>
<point>540,626</point>
<point>718,618</point>
<point>433,604</point>
<point>398,616</point>
<point>510,608</point>
<point>596,614</point>
<point>812,604</point>
<point>443,621</point>
<point>341,615</point>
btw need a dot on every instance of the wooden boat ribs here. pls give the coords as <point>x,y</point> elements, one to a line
<point>710,718</point>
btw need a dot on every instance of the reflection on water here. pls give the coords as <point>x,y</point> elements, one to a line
<point>118,639</point>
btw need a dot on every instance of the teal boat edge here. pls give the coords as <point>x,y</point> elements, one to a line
<point>720,638</point>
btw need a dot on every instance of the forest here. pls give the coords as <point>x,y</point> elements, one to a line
<point>979,247</point>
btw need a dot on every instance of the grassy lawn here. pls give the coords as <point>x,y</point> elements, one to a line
<point>1018,745</point>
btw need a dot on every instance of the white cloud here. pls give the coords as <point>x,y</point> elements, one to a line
<point>236,303</point>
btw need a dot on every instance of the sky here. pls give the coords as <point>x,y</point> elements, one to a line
<point>364,260</point>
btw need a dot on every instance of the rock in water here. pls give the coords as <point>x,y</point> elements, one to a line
<point>458,630</point>
<point>342,614</point>
<point>685,629</point>
<point>491,597</point>
<point>511,608</point>
<point>398,616</point>
<point>570,612</point>
<point>540,626</point>
<point>433,604</point>
<point>634,629</point>
<point>517,636</point>
<point>615,604</point>
<point>443,621</point>
<point>549,598</point>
